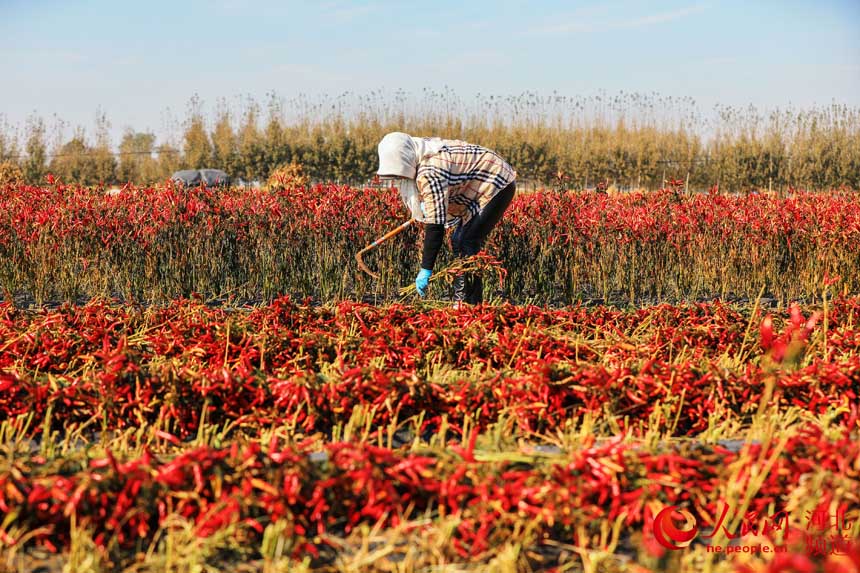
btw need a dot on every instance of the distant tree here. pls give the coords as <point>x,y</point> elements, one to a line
<point>252,150</point>
<point>197,149</point>
<point>73,162</point>
<point>104,162</point>
<point>136,163</point>
<point>10,173</point>
<point>35,166</point>
<point>8,143</point>
<point>169,161</point>
<point>278,150</point>
<point>278,146</point>
<point>225,153</point>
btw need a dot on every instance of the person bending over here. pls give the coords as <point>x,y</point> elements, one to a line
<point>449,183</point>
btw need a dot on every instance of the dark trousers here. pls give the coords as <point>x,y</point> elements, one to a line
<point>468,239</point>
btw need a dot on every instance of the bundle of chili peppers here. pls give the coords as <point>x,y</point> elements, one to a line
<point>480,264</point>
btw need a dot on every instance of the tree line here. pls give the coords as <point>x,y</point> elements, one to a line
<point>573,143</point>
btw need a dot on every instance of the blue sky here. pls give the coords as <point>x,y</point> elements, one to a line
<point>141,61</point>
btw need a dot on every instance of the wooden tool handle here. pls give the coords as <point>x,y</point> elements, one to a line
<point>378,242</point>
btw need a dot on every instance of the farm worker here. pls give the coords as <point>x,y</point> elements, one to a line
<point>449,183</point>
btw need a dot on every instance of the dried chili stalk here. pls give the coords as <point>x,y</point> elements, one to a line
<point>481,263</point>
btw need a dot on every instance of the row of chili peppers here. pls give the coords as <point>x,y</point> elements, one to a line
<point>160,243</point>
<point>139,213</point>
<point>124,501</point>
<point>314,367</point>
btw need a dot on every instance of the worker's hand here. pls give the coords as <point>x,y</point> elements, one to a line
<point>422,280</point>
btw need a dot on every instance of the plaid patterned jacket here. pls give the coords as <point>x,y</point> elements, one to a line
<point>457,182</point>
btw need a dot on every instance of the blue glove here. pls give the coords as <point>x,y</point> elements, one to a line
<point>422,280</point>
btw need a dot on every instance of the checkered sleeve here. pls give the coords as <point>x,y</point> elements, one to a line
<point>432,183</point>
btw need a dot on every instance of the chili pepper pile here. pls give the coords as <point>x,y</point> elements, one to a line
<point>156,244</point>
<point>125,500</point>
<point>122,418</point>
<point>314,367</point>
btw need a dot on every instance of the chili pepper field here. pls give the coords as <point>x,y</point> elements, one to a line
<point>155,244</point>
<point>200,380</point>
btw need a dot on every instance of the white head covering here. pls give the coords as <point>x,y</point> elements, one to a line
<point>399,154</point>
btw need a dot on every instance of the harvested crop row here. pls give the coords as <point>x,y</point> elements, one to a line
<point>330,489</point>
<point>157,244</point>
<point>314,368</point>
